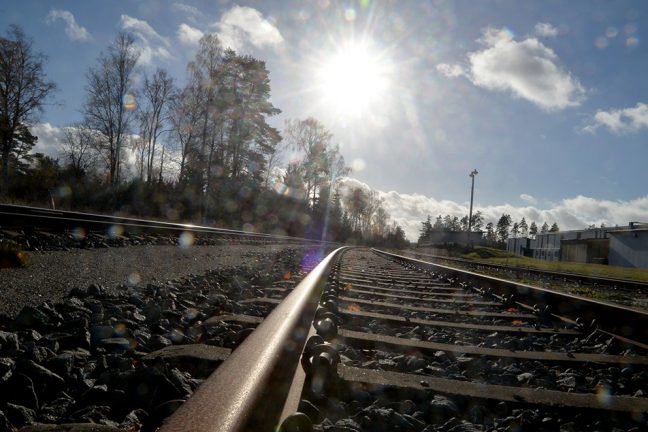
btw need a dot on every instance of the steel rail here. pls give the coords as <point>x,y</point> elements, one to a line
<point>20,216</point>
<point>625,321</point>
<point>247,392</point>
<point>626,283</point>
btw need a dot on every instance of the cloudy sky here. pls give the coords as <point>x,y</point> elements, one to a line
<point>547,99</point>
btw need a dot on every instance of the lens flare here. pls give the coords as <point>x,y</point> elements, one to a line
<point>603,394</point>
<point>186,240</point>
<point>129,102</point>
<point>632,41</point>
<point>115,231</point>
<point>134,278</point>
<point>601,42</point>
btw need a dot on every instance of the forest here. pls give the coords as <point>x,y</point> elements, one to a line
<point>201,152</point>
<point>494,235</point>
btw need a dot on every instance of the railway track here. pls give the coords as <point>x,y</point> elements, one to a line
<point>374,341</point>
<point>80,226</point>
<point>625,284</point>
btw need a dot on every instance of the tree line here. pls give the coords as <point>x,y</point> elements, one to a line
<point>495,234</point>
<point>200,152</point>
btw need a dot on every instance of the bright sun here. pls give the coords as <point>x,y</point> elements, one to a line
<point>353,80</point>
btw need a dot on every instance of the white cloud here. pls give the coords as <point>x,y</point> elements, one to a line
<point>450,71</point>
<point>528,198</point>
<point>528,69</point>
<point>49,139</point>
<point>409,210</point>
<point>189,35</point>
<point>188,9</point>
<point>151,44</point>
<point>620,121</point>
<point>241,25</point>
<point>74,31</point>
<point>545,30</point>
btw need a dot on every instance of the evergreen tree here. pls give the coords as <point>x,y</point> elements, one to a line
<point>477,221</point>
<point>490,233</point>
<point>524,228</point>
<point>544,228</point>
<point>515,230</point>
<point>503,225</point>
<point>533,229</point>
<point>554,228</point>
<point>463,223</point>
<point>426,230</point>
<point>438,224</point>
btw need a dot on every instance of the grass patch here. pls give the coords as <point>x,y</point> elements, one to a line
<point>588,292</point>
<point>11,256</point>
<point>486,253</point>
<point>596,270</point>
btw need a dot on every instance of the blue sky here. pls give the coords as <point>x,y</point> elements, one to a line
<point>547,99</point>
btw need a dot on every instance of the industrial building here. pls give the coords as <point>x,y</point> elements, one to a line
<point>618,246</point>
<point>447,238</point>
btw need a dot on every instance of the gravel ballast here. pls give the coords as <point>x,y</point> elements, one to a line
<point>52,274</point>
<point>121,355</point>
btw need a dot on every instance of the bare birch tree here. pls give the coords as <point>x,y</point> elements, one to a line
<point>155,96</point>
<point>78,147</point>
<point>110,100</point>
<point>23,90</point>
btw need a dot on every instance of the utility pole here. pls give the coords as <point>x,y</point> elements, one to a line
<point>472,191</point>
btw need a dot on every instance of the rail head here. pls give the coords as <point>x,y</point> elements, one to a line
<point>247,391</point>
<point>625,321</point>
<point>41,218</point>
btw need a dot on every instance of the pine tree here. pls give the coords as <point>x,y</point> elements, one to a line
<point>464,223</point>
<point>490,233</point>
<point>426,230</point>
<point>524,228</point>
<point>533,229</point>
<point>554,228</point>
<point>438,224</point>
<point>545,228</point>
<point>503,225</point>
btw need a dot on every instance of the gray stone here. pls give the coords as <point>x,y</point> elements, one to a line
<point>22,391</point>
<point>52,411</point>
<point>61,364</point>
<point>9,344</point>
<point>115,344</point>
<point>70,427</point>
<point>525,377</point>
<point>198,359</point>
<point>19,415</point>
<point>92,414</point>
<point>441,408</point>
<point>157,342</point>
<point>6,365</point>
<point>5,424</point>
<point>134,420</point>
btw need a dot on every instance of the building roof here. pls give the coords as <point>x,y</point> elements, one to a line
<point>622,231</point>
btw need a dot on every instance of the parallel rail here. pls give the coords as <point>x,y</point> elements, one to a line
<point>23,217</point>
<point>262,383</point>
<point>566,276</point>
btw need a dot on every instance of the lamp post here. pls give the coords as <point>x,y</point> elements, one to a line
<point>472,191</point>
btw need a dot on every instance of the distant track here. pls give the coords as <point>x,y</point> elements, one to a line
<point>34,218</point>
<point>595,280</point>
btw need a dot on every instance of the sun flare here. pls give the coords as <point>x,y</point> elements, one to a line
<point>353,80</point>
